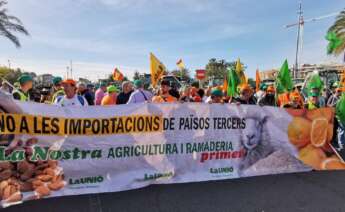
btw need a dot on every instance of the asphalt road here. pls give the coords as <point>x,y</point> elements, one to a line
<point>312,191</point>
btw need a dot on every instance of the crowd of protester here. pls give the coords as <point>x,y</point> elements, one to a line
<point>70,93</point>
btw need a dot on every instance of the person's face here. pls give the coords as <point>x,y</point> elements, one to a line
<point>104,88</point>
<point>165,89</point>
<point>186,92</point>
<point>127,88</point>
<point>69,90</point>
<point>216,99</point>
<point>295,101</point>
<point>81,88</point>
<point>27,86</point>
<point>58,86</point>
<point>245,94</point>
<point>270,92</point>
<point>314,99</point>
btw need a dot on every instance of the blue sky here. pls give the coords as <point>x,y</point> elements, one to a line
<point>99,35</point>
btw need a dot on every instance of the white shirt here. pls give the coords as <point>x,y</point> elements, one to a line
<point>66,102</point>
<point>139,96</point>
<point>208,99</point>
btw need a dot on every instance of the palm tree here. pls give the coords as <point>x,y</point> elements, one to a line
<point>339,28</point>
<point>10,24</point>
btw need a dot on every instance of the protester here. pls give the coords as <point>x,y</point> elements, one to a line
<point>57,88</point>
<point>100,92</point>
<point>216,96</point>
<point>261,92</point>
<point>332,89</point>
<point>5,88</point>
<point>321,99</point>
<point>195,95</point>
<point>22,94</point>
<point>91,89</point>
<point>334,98</point>
<point>268,98</point>
<point>246,96</point>
<point>313,101</point>
<point>139,95</point>
<point>71,98</point>
<point>127,90</point>
<point>185,94</point>
<point>111,96</point>
<point>84,91</point>
<point>207,98</point>
<point>296,101</point>
<point>201,94</point>
<point>174,92</point>
<point>45,96</point>
<point>164,95</point>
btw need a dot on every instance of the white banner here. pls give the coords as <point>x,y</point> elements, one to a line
<point>49,151</point>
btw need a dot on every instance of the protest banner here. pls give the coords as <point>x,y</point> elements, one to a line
<point>50,151</point>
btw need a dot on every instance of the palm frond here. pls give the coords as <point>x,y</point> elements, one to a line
<point>10,24</point>
<point>338,28</point>
<point>9,35</point>
<point>2,3</point>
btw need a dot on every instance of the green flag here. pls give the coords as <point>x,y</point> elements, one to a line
<point>314,82</point>
<point>284,81</point>
<point>333,42</point>
<point>233,82</point>
<point>340,110</point>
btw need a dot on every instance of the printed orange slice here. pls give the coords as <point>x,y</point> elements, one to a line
<point>319,131</point>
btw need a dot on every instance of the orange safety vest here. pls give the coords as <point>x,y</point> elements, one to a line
<point>161,99</point>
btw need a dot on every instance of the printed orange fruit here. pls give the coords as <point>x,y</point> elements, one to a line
<point>312,156</point>
<point>332,164</point>
<point>319,131</point>
<point>326,112</point>
<point>329,133</point>
<point>296,112</point>
<point>299,131</point>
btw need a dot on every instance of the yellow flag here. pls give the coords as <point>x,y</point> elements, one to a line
<point>180,64</point>
<point>240,73</point>
<point>257,80</point>
<point>157,69</point>
<point>117,75</point>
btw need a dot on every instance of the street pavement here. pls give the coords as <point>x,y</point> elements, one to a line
<point>311,191</point>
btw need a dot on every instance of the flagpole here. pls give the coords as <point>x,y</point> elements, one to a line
<point>300,23</point>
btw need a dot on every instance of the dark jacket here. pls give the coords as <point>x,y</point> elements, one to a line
<point>123,98</point>
<point>267,100</point>
<point>251,101</point>
<point>88,96</point>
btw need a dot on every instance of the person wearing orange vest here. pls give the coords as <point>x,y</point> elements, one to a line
<point>296,100</point>
<point>111,96</point>
<point>164,95</point>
